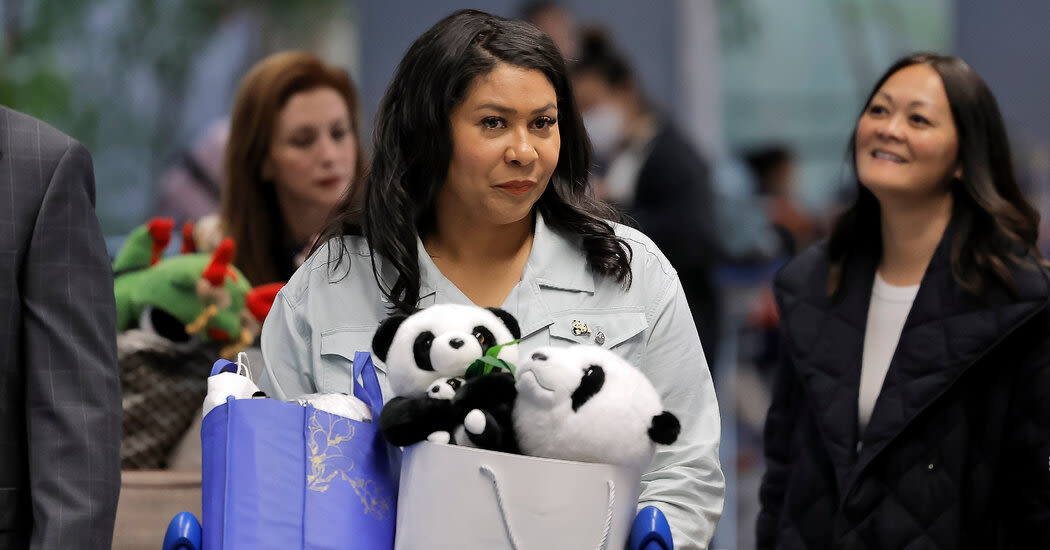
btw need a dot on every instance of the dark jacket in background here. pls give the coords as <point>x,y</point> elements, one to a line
<point>60,404</point>
<point>674,206</point>
<point>956,453</point>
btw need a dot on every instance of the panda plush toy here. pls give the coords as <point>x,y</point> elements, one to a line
<point>586,403</point>
<point>476,413</point>
<point>427,355</point>
<point>445,387</point>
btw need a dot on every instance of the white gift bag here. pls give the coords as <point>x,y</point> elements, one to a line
<point>229,379</point>
<point>473,499</point>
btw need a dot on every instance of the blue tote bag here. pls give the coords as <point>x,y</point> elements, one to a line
<point>280,475</point>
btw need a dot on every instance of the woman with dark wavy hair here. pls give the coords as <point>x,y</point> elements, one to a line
<point>910,410</point>
<point>478,194</point>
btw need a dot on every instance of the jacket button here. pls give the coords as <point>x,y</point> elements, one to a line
<point>930,466</point>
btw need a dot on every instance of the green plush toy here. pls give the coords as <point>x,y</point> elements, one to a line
<point>188,295</point>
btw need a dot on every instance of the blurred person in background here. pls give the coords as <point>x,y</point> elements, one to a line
<point>479,194</point>
<point>293,152</point>
<point>59,393</point>
<point>558,23</point>
<point>653,174</point>
<point>910,409</point>
<point>192,187</point>
<point>774,169</point>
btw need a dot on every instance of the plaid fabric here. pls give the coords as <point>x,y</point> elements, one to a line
<point>164,387</point>
<point>59,393</point>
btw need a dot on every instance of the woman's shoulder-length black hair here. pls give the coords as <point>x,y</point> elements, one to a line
<point>413,147</point>
<point>994,226</point>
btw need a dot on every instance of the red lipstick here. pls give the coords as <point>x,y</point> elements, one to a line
<point>517,187</point>
<point>329,183</point>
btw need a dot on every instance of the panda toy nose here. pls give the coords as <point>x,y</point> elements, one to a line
<point>539,357</point>
<point>456,343</point>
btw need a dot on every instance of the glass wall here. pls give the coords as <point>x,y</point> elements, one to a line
<point>796,72</point>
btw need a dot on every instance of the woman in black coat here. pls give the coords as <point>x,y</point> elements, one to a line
<point>912,408</point>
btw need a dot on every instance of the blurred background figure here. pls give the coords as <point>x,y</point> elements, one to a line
<point>293,151</point>
<point>559,24</point>
<point>774,169</point>
<point>650,171</point>
<point>192,187</point>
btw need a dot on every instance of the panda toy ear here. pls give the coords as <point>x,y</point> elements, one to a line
<point>384,335</point>
<point>508,320</point>
<point>665,428</point>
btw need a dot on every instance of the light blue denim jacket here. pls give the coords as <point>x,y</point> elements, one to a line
<point>322,317</point>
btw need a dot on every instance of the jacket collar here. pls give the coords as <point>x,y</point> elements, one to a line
<point>555,262</point>
<point>947,330</point>
<point>430,277</point>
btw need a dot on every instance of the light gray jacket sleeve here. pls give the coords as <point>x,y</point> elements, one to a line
<point>685,479</point>
<point>288,348</point>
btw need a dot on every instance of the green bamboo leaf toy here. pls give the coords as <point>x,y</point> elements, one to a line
<point>490,362</point>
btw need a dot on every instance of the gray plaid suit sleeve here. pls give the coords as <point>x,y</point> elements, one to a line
<point>67,344</point>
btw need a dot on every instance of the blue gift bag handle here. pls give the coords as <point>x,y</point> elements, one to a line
<point>366,383</point>
<point>223,365</point>
<point>240,366</point>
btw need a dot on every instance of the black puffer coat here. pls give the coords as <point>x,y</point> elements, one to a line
<point>957,452</point>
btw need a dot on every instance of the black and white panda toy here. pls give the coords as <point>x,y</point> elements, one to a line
<point>445,387</point>
<point>425,353</point>
<point>440,341</point>
<point>586,403</point>
<point>476,410</point>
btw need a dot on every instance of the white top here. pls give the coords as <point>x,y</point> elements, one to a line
<point>886,315</point>
<point>621,181</point>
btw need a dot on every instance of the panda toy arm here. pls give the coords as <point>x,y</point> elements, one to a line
<point>408,420</point>
<point>665,428</point>
<point>486,403</point>
<point>490,391</point>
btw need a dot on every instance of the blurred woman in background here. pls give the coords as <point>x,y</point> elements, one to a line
<point>910,409</point>
<point>293,151</point>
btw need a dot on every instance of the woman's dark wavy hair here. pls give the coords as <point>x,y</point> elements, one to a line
<point>413,148</point>
<point>994,226</point>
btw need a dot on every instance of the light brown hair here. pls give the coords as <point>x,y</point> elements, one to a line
<point>250,213</point>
